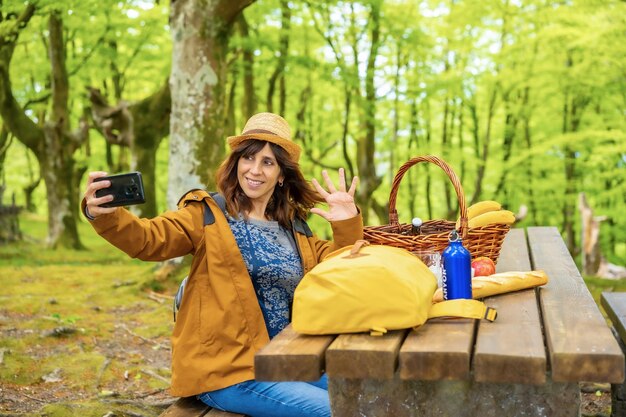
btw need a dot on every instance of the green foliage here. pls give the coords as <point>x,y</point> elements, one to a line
<point>598,285</point>
<point>122,48</point>
<point>547,77</point>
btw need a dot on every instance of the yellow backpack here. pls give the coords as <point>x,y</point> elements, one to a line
<point>372,288</point>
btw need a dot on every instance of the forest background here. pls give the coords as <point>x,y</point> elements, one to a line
<point>525,99</point>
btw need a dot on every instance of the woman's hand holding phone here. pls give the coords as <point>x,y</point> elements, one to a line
<point>105,193</point>
<point>93,203</point>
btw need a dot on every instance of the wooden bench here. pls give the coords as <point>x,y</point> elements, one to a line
<point>529,362</point>
<point>615,306</point>
<point>192,407</point>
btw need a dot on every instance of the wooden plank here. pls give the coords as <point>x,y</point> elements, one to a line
<point>440,349</point>
<point>514,254</point>
<point>614,304</point>
<point>580,344</point>
<point>364,356</point>
<point>186,407</point>
<point>292,357</point>
<point>511,349</point>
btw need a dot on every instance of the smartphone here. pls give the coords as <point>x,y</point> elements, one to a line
<point>127,189</point>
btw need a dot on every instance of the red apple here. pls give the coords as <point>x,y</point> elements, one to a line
<point>483,266</point>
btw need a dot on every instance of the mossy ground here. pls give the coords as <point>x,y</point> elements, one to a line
<point>81,332</point>
<point>111,351</point>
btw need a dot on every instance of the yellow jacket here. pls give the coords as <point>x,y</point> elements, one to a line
<point>220,326</point>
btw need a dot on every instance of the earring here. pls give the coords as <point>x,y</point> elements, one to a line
<point>280,183</point>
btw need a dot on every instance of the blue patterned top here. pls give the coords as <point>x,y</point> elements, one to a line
<point>274,264</point>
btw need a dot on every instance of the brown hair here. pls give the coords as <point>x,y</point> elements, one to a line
<point>294,199</point>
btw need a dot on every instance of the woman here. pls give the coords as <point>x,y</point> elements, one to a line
<point>245,266</point>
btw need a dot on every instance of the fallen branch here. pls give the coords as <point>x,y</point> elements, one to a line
<point>62,331</point>
<point>32,398</point>
<point>141,404</point>
<point>151,393</point>
<point>162,403</point>
<point>155,298</point>
<point>101,371</point>
<point>162,296</point>
<point>123,284</point>
<point>2,352</point>
<point>155,375</point>
<point>145,339</point>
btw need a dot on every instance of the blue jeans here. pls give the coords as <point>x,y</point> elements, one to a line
<point>272,399</point>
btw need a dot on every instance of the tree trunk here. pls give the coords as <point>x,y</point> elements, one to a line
<point>60,170</point>
<point>590,242</point>
<point>427,192</point>
<point>344,133</point>
<point>446,130</point>
<point>366,145</point>
<point>530,171</point>
<point>29,189</point>
<point>482,163</point>
<point>151,123</point>
<point>302,132</point>
<point>413,144</point>
<point>573,114</point>
<point>568,205</point>
<point>279,71</point>
<point>229,121</point>
<point>249,93</point>
<point>574,103</point>
<point>593,262</point>
<point>140,128</point>
<point>393,166</point>
<point>510,129</point>
<point>450,116</point>
<point>200,31</point>
<point>5,143</point>
<point>53,145</point>
<point>461,135</point>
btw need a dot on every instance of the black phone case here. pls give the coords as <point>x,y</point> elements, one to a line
<point>127,189</point>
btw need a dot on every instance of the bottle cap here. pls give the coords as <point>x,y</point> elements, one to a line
<point>416,222</point>
<point>454,236</point>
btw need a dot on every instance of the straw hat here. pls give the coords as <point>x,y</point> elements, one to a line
<point>269,127</point>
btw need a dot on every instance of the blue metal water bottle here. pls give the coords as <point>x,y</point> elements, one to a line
<point>457,269</point>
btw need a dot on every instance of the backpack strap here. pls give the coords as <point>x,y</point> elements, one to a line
<point>209,217</point>
<point>471,309</point>
<point>460,308</point>
<point>302,227</point>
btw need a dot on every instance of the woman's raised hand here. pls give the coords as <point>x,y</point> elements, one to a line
<point>93,202</point>
<point>340,202</point>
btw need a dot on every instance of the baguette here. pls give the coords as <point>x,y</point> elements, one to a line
<point>501,283</point>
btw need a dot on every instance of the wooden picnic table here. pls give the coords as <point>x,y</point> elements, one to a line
<point>529,362</point>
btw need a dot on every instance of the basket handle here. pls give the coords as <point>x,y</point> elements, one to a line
<point>393,213</point>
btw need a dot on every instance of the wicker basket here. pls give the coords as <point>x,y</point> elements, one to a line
<point>480,241</point>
